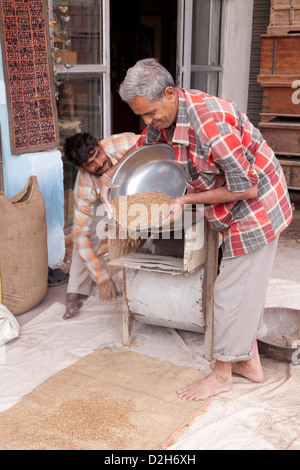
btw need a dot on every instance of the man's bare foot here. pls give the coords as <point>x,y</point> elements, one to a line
<point>73,304</point>
<point>219,381</point>
<point>250,369</point>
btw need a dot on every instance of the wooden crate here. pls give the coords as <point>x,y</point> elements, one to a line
<point>279,57</point>
<point>278,100</point>
<point>291,169</point>
<point>284,3</point>
<point>284,16</point>
<point>282,136</point>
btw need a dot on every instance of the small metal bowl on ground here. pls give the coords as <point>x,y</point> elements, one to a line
<point>149,168</point>
<point>282,341</point>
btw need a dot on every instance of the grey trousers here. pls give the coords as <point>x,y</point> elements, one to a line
<point>239,297</point>
<point>80,281</point>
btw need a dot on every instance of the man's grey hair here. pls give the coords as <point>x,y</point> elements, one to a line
<point>146,78</point>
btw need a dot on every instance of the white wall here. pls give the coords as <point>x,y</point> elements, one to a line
<point>236,51</point>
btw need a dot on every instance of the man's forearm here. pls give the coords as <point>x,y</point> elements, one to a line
<point>83,244</point>
<point>218,196</point>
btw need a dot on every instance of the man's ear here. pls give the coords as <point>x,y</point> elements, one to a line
<point>170,94</point>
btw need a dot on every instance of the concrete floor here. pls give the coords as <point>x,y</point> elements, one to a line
<point>286,266</point>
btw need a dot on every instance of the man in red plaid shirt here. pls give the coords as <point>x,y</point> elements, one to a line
<point>232,171</point>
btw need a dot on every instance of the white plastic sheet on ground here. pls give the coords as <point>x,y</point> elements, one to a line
<point>9,326</point>
<point>9,330</point>
<point>251,416</point>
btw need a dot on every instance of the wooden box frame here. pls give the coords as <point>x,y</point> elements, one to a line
<point>206,258</point>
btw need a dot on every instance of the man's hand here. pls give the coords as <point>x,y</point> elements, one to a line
<point>105,185</point>
<point>173,213</point>
<point>107,290</point>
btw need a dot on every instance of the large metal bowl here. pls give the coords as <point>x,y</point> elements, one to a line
<point>282,341</point>
<point>149,168</point>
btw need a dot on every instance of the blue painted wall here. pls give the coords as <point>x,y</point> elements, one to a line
<point>48,168</point>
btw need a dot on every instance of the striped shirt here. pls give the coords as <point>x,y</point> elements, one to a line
<point>217,146</point>
<point>86,193</point>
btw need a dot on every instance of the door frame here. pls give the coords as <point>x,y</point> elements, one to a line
<point>99,69</point>
<point>184,66</point>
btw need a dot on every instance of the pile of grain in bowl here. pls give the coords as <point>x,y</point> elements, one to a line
<point>141,210</point>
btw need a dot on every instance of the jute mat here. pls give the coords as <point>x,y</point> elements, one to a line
<point>112,399</point>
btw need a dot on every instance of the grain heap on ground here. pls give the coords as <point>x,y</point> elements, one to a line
<point>141,210</point>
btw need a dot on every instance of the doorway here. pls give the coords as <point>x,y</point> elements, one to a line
<point>138,29</point>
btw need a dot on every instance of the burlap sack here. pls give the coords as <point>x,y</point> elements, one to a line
<point>23,249</point>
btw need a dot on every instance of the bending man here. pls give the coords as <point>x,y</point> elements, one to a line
<point>232,171</point>
<point>93,159</point>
